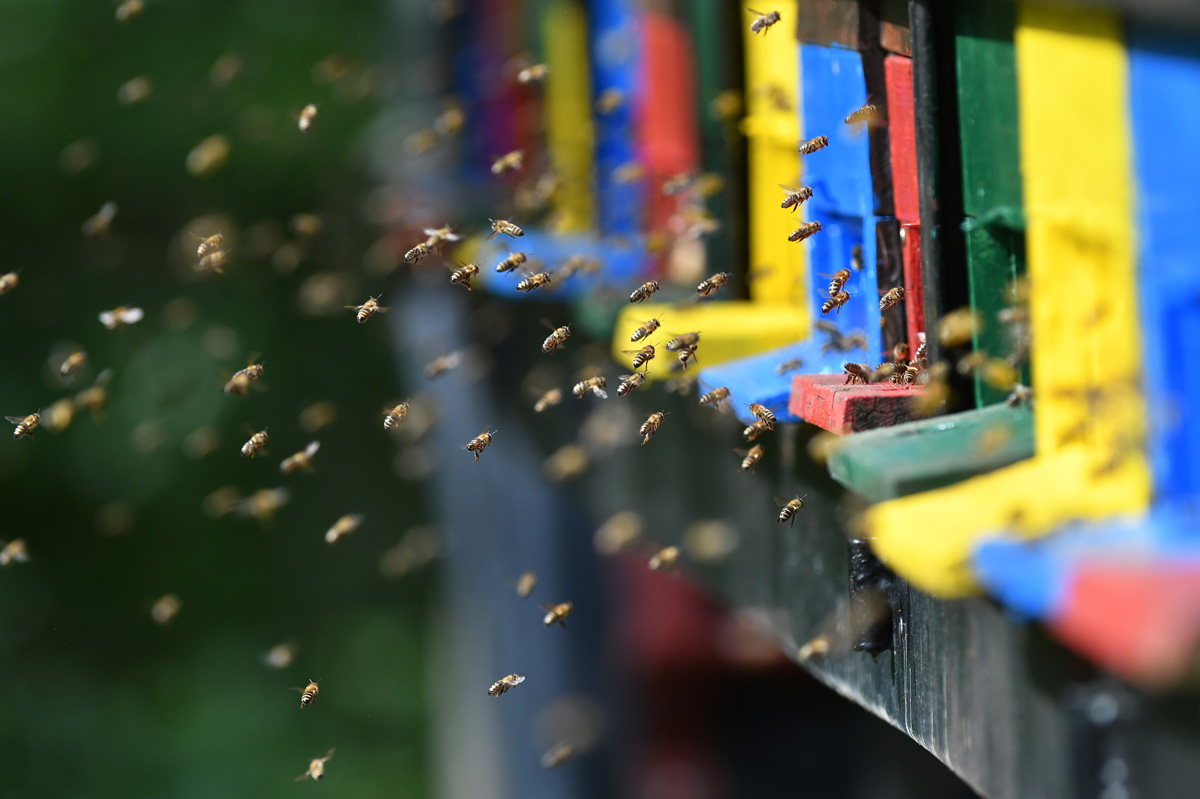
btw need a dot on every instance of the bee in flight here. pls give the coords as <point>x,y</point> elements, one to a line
<point>789,366</point>
<point>242,378</point>
<point>763,22</point>
<point>609,101</point>
<point>72,363</point>
<point>504,683</point>
<point>393,416</point>
<point>300,460</point>
<point>214,261</point>
<point>868,113</point>
<point>856,372</point>
<point>680,342</point>
<point>651,425</point>
<point>751,457</point>
<point>14,552</point>
<point>525,584</point>
<point>367,309</point>
<point>165,609</point>
<point>715,397</point>
<point>812,145</point>
<point>129,9</point>
<point>645,330</point>
<point>642,356</point>
<point>417,253</point>
<point>344,526</point>
<point>838,281</point>
<point>8,282</point>
<point>25,424</point>
<point>513,261</point>
<point>305,117</point>
<point>316,768</point>
<point>479,443</point>
<point>805,231</point>
<point>255,444</point>
<point>308,693</point>
<point>557,755</point>
<point>121,315</point>
<point>535,281</point>
<point>755,429</point>
<point>857,261</point>
<point>507,228</point>
<point>644,291</point>
<point>99,224</point>
<point>534,74</point>
<point>789,509</point>
<point>509,162</point>
<point>795,197</point>
<point>593,384</point>
<point>665,559</point>
<point>713,283</point>
<point>463,274</point>
<point>557,614</point>
<point>557,338</point>
<point>893,297</point>
<point>442,364</point>
<point>1021,395</point>
<point>763,413</point>
<point>630,382</point>
<point>548,400</point>
<point>836,301</point>
<point>209,245</point>
<point>686,355</point>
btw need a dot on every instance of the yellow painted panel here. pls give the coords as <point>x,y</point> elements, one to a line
<point>1089,412</point>
<point>568,97</point>
<point>773,67</point>
<point>728,331</point>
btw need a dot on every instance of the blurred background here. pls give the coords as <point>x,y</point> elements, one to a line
<point>183,116</point>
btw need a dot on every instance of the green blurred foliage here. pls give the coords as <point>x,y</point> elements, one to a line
<point>99,700</point>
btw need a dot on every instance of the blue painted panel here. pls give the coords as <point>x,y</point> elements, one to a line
<point>622,266</point>
<point>832,85</point>
<point>614,34</point>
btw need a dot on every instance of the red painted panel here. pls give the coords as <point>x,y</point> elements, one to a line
<point>902,137</point>
<point>914,287</point>
<point>829,403</point>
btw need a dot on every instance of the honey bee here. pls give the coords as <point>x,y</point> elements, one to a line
<point>392,417</point>
<point>789,366</point>
<point>209,245</point>
<point>255,444</point>
<point>645,330</point>
<point>958,327</point>
<point>884,371</point>
<point>643,292</point>
<point>557,755</point>
<point>305,117</point>
<point>134,90</point>
<point>513,261</point>
<point>316,768</point>
<point>417,253</point>
<point>763,22</point>
<point>8,282</point>
<point>479,443</point>
<point>261,505</point>
<point>838,282</point>
<point>1021,395</point>
<point>804,231</point>
<point>557,614</point>
<point>686,340</point>
<point>867,113</point>
<point>73,363</point>
<point>642,356</point>
<point>893,297</point>
<point>755,429</point>
<point>165,609</point>
<point>509,162</point>
<point>789,508</point>
<point>910,373</point>
<point>507,228</point>
<point>556,339</point>
<point>534,281</point>
<point>751,457</point>
<point>308,693</point>
<point>300,460</point>
<point>442,364</point>
<point>344,526</point>
<point>129,9</point>
<point>629,172</point>
<point>525,584</point>
<point>817,647</point>
<point>630,382</point>
<point>920,354</point>
<point>713,283</point>
<point>462,276</point>
<point>726,106</point>
<point>548,400</point>
<point>856,373</point>
<point>665,559</point>
<point>242,378</point>
<point>763,413</point>
<point>504,683</point>
<point>280,656</point>
<point>368,309</point>
<point>794,197</point>
<point>651,425</point>
<point>534,74</point>
<point>121,315</point>
<point>715,397</point>
<point>609,100</point>
<point>25,424</point>
<point>593,384</point>
<point>94,397</point>
<point>677,183</point>
<point>970,362</point>
<point>14,552</point>
<point>836,301</point>
<point>687,354</point>
<point>857,260</point>
<point>215,262</point>
<point>900,353</point>
<point>812,145</point>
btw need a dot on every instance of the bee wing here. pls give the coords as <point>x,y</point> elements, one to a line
<point>108,318</point>
<point>312,448</point>
<point>328,755</point>
<point>303,776</point>
<point>15,419</point>
<point>780,501</point>
<point>599,392</point>
<point>788,189</point>
<point>352,307</point>
<point>133,315</point>
<point>759,13</point>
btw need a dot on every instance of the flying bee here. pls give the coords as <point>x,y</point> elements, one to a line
<point>509,162</point>
<point>643,292</point>
<point>513,261</point>
<point>25,424</point>
<point>557,614</point>
<point>462,276</point>
<point>214,261</point>
<point>630,382</point>
<point>121,315</point>
<point>479,443</point>
<point>755,429</point>
<point>794,197</point>
<point>593,384</point>
<point>368,309</point>
<point>763,22</point>
<point>812,145</point>
<point>677,183</point>
<point>651,425</point>
<point>609,100</point>
<point>417,253</point>
<point>556,339</point>
<point>763,413</point>
<point>645,330</point>
<point>642,356</point>
<point>507,228</point>
<point>885,371</point>
<point>439,236</point>
<point>687,354</point>
<point>99,224</point>
<point>392,417</point>
<point>548,400</point>
<point>255,444</point>
<point>305,117</point>
<point>868,113</point>
<point>209,245</point>
<point>715,397</point>
<point>95,396</point>
<point>300,460</point>
<point>129,9</point>
<point>789,508</point>
<point>344,526</point>
<point>534,74</point>
<point>856,372</point>
<point>893,297</point>
<point>8,282</point>
<point>1021,395</point>
<point>525,584</point>
<point>836,301</point>
<point>789,366</point>
<point>804,231</point>
<point>504,683</point>
<point>629,172</point>
<point>751,457</point>
<point>165,609</point>
<point>308,693</point>
<point>857,261</point>
<point>242,378</point>
<point>73,363</point>
<point>686,340</point>
<point>838,281</point>
<point>665,559</point>
<point>442,364</point>
<point>14,552</point>
<point>534,281</point>
<point>900,352</point>
<point>557,755</point>
<point>316,768</point>
<point>713,283</point>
